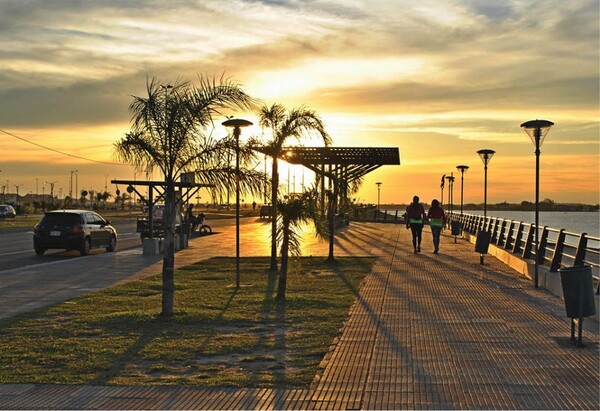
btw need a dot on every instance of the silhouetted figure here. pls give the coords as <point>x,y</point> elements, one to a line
<point>254,205</point>
<point>189,214</point>
<point>415,217</point>
<point>437,221</point>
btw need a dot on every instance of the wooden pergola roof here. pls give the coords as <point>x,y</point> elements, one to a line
<point>355,161</point>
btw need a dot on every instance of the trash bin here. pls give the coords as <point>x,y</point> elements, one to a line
<point>482,243</point>
<point>455,227</point>
<point>578,291</point>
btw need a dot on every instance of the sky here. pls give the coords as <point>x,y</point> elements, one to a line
<point>439,79</point>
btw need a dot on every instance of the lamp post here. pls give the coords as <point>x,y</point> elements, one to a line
<point>51,190</point>
<point>71,184</point>
<point>237,124</point>
<point>450,179</point>
<point>462,169</point>
<point>537,130</point>
<point>442,189</point>
<point>17,188</point>
<point>486,155</point>
<point>379,183</point>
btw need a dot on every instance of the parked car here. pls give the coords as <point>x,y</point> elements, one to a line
<point>7,211</point>
<point>158,211</point>
<point>73,230</point>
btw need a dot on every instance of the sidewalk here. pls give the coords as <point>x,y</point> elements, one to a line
<point>427,331</point>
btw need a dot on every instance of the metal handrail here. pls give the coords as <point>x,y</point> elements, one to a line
<point>558,248</point>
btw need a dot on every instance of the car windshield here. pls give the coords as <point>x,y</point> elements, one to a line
<point>61,219</point>
<point>4,208</point>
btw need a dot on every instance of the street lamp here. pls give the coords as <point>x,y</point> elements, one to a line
<point>71,184</point>
<point>237,124</point>
<point>379,183</point>
<point>454,225</point>
<point>17,188</point>
<point>483,236</point>
<point>462,169</point>
<point>51,190</point>
<point>537,130</point>
<point>450,179</point>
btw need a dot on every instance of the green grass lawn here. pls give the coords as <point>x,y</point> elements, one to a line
<point>19,222</point>
<point>220,336</point>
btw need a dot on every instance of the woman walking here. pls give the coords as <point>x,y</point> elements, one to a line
<point>415,217</point>
<point>437,220</point>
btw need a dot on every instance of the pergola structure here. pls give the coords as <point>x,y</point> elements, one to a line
<point>156,192</point>
<point>341,165</point>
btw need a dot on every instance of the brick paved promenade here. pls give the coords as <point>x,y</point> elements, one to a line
<point>427,331</point>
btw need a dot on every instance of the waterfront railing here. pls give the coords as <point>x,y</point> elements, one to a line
<point>558,247</point>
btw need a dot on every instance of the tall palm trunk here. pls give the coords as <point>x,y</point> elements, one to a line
<point>168,272</point>
<point>285,246</point>
<point>274,191</point>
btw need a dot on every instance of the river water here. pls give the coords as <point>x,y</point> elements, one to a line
<point>573,221</point>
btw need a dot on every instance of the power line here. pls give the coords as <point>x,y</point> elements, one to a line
<point>62,152</point>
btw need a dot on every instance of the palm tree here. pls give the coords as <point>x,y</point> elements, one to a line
<point>297,123</point>
<point>292,214</point>
<point>167,128</point>
<point>104,197</point>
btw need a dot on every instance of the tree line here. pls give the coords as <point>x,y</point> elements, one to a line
<point>172,131</point>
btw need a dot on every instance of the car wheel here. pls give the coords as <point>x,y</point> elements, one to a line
<point>39,250</point>
<point>85,248</point>
<point>113,244</point>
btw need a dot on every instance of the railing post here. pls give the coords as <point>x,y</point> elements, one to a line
<point>558,251</point>
<point>375,215</point>
<point>540,253</point>
<point>581,246</point>
<point>518,238</point>
<point>501,240</point>
<point>528,242</point>
<point>396,216</point>
<point>494,230</point>
<point>385,215</point>
<point>509,237</point>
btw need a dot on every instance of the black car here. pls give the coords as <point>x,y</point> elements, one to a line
<point>73,230</point>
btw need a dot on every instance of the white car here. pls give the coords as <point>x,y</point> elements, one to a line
<point>7,211</point>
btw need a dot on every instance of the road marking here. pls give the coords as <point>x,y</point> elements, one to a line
<point>17,252</point>
<point>130,251</point>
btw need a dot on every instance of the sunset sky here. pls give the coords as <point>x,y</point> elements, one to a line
<point>439,79</point>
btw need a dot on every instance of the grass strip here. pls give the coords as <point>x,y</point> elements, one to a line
<point>220,335</point>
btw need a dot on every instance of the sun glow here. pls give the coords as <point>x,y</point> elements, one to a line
<point>328,73</point>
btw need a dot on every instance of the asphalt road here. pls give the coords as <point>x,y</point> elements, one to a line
<point>16,247</point>
<point>28,281</point>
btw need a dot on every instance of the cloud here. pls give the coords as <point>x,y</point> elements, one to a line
<point>453,73</point>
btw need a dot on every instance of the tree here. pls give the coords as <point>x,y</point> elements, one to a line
<point>105,196</point>
<point>292,214</point>
<point>296,123</point>
<point>167,127</point>
<point>83,198</point>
